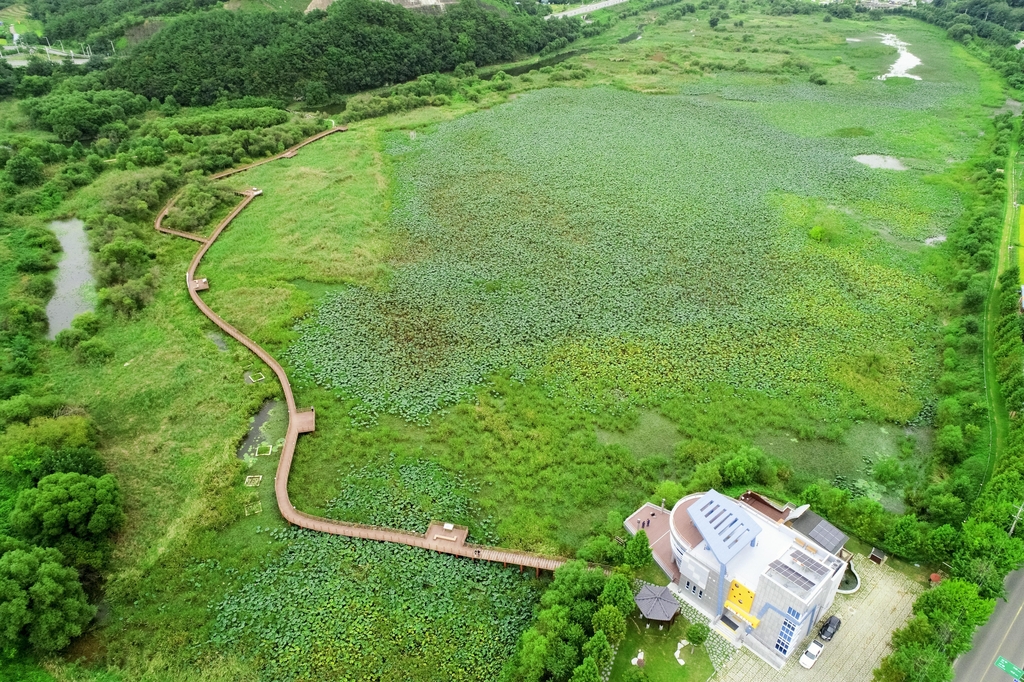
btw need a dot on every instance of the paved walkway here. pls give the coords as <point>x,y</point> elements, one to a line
<point>869,616</point>
<point>447,539</point>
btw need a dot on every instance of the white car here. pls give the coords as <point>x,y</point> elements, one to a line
<point>811,655</point>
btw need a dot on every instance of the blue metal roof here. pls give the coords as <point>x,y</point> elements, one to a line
<point>725,527</point>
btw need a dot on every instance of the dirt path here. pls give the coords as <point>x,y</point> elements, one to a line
<point>440,537</point>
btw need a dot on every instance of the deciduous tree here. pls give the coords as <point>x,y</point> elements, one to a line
<point>610,620</point>
<point>638,551</point>
<point>617,593</point>
<point>598,648</point>
<point>42,603</point>
<point>587,671</point>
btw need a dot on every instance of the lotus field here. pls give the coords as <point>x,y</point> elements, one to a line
<point>334,608</point>
<point>621,244</point>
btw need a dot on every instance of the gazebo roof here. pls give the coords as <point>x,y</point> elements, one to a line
<point>656,603</point>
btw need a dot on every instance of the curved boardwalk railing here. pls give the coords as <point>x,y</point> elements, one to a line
<point>440,537</point>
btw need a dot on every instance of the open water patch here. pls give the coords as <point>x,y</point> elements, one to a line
<point>905,61</point>
<point>266,432</point>
<point>219,341</point>
<point>75,286</point>
<point>880,161</point>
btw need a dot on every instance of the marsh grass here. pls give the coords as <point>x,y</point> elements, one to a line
<point>171,419</point>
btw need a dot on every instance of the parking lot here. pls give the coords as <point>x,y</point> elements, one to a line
<point>869,616</point>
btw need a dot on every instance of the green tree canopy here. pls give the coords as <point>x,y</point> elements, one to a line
<point>601,550</point>
<point>698,633</point>
<point>986,555</point>
<point>618,593</point>
<point>25,169</point>
<point>73,512</point>
<point>610,620</point>
<point>586,672</point>
<point>598,648</point>
<point>914,663</point>
<point>577,588</point>
<point>42,603</point>
<point>954,609</point>
<point>638,551</point>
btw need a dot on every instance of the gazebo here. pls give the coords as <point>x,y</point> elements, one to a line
<point>657,603</point>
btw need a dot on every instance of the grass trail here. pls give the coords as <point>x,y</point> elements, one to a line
<point>998,419</point>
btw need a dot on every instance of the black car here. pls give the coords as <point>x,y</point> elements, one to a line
<point>830,628</point>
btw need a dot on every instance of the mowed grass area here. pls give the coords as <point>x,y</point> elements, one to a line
<point>659,647</point>
<point>526,439</point>
<point>17,17</point>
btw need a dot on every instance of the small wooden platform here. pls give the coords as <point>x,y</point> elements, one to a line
<point>305,422</point>
<point>200,284</point>
<point>456,535</point>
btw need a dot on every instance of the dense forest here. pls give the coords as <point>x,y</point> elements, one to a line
<point>354,45</point>
<point>106,18</point>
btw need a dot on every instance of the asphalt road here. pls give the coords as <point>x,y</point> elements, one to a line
<point>1003,635</point>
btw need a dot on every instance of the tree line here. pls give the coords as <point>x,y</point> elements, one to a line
<point>355,45</point>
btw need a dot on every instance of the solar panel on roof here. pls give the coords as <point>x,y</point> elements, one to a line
<point>791,574</point>
<point>828,536</point>
<point>808,563</point>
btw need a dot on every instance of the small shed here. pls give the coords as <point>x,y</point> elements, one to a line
<point>657,603</point>
<point>878,556</point>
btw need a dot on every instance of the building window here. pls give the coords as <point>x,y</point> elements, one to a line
<point>785,639</point>
<point>700,594</point>
<point>694,588</point>
<point>687,584</point>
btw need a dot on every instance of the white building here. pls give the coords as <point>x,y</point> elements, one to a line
<point>764,575</point>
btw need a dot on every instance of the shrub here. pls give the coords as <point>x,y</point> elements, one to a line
<point>25,169</point>
<point>601,550</point>
<point>95,351</point>
<point>697,633</point>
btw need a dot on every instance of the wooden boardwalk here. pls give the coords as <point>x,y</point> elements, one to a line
<point>440,537</point>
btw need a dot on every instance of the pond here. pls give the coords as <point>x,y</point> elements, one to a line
<point>75,286</point>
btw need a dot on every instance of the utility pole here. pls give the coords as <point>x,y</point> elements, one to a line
<point>1016,518</point>
<point>112,50</point>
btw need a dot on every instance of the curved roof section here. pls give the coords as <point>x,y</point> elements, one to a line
<point>726,528</point>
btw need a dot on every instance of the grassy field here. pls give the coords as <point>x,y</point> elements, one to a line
<point>659,647</point>
<point>17,17</point>
<point>579,328</point>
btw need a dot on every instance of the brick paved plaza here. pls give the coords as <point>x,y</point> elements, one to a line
<point>880,606</point>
